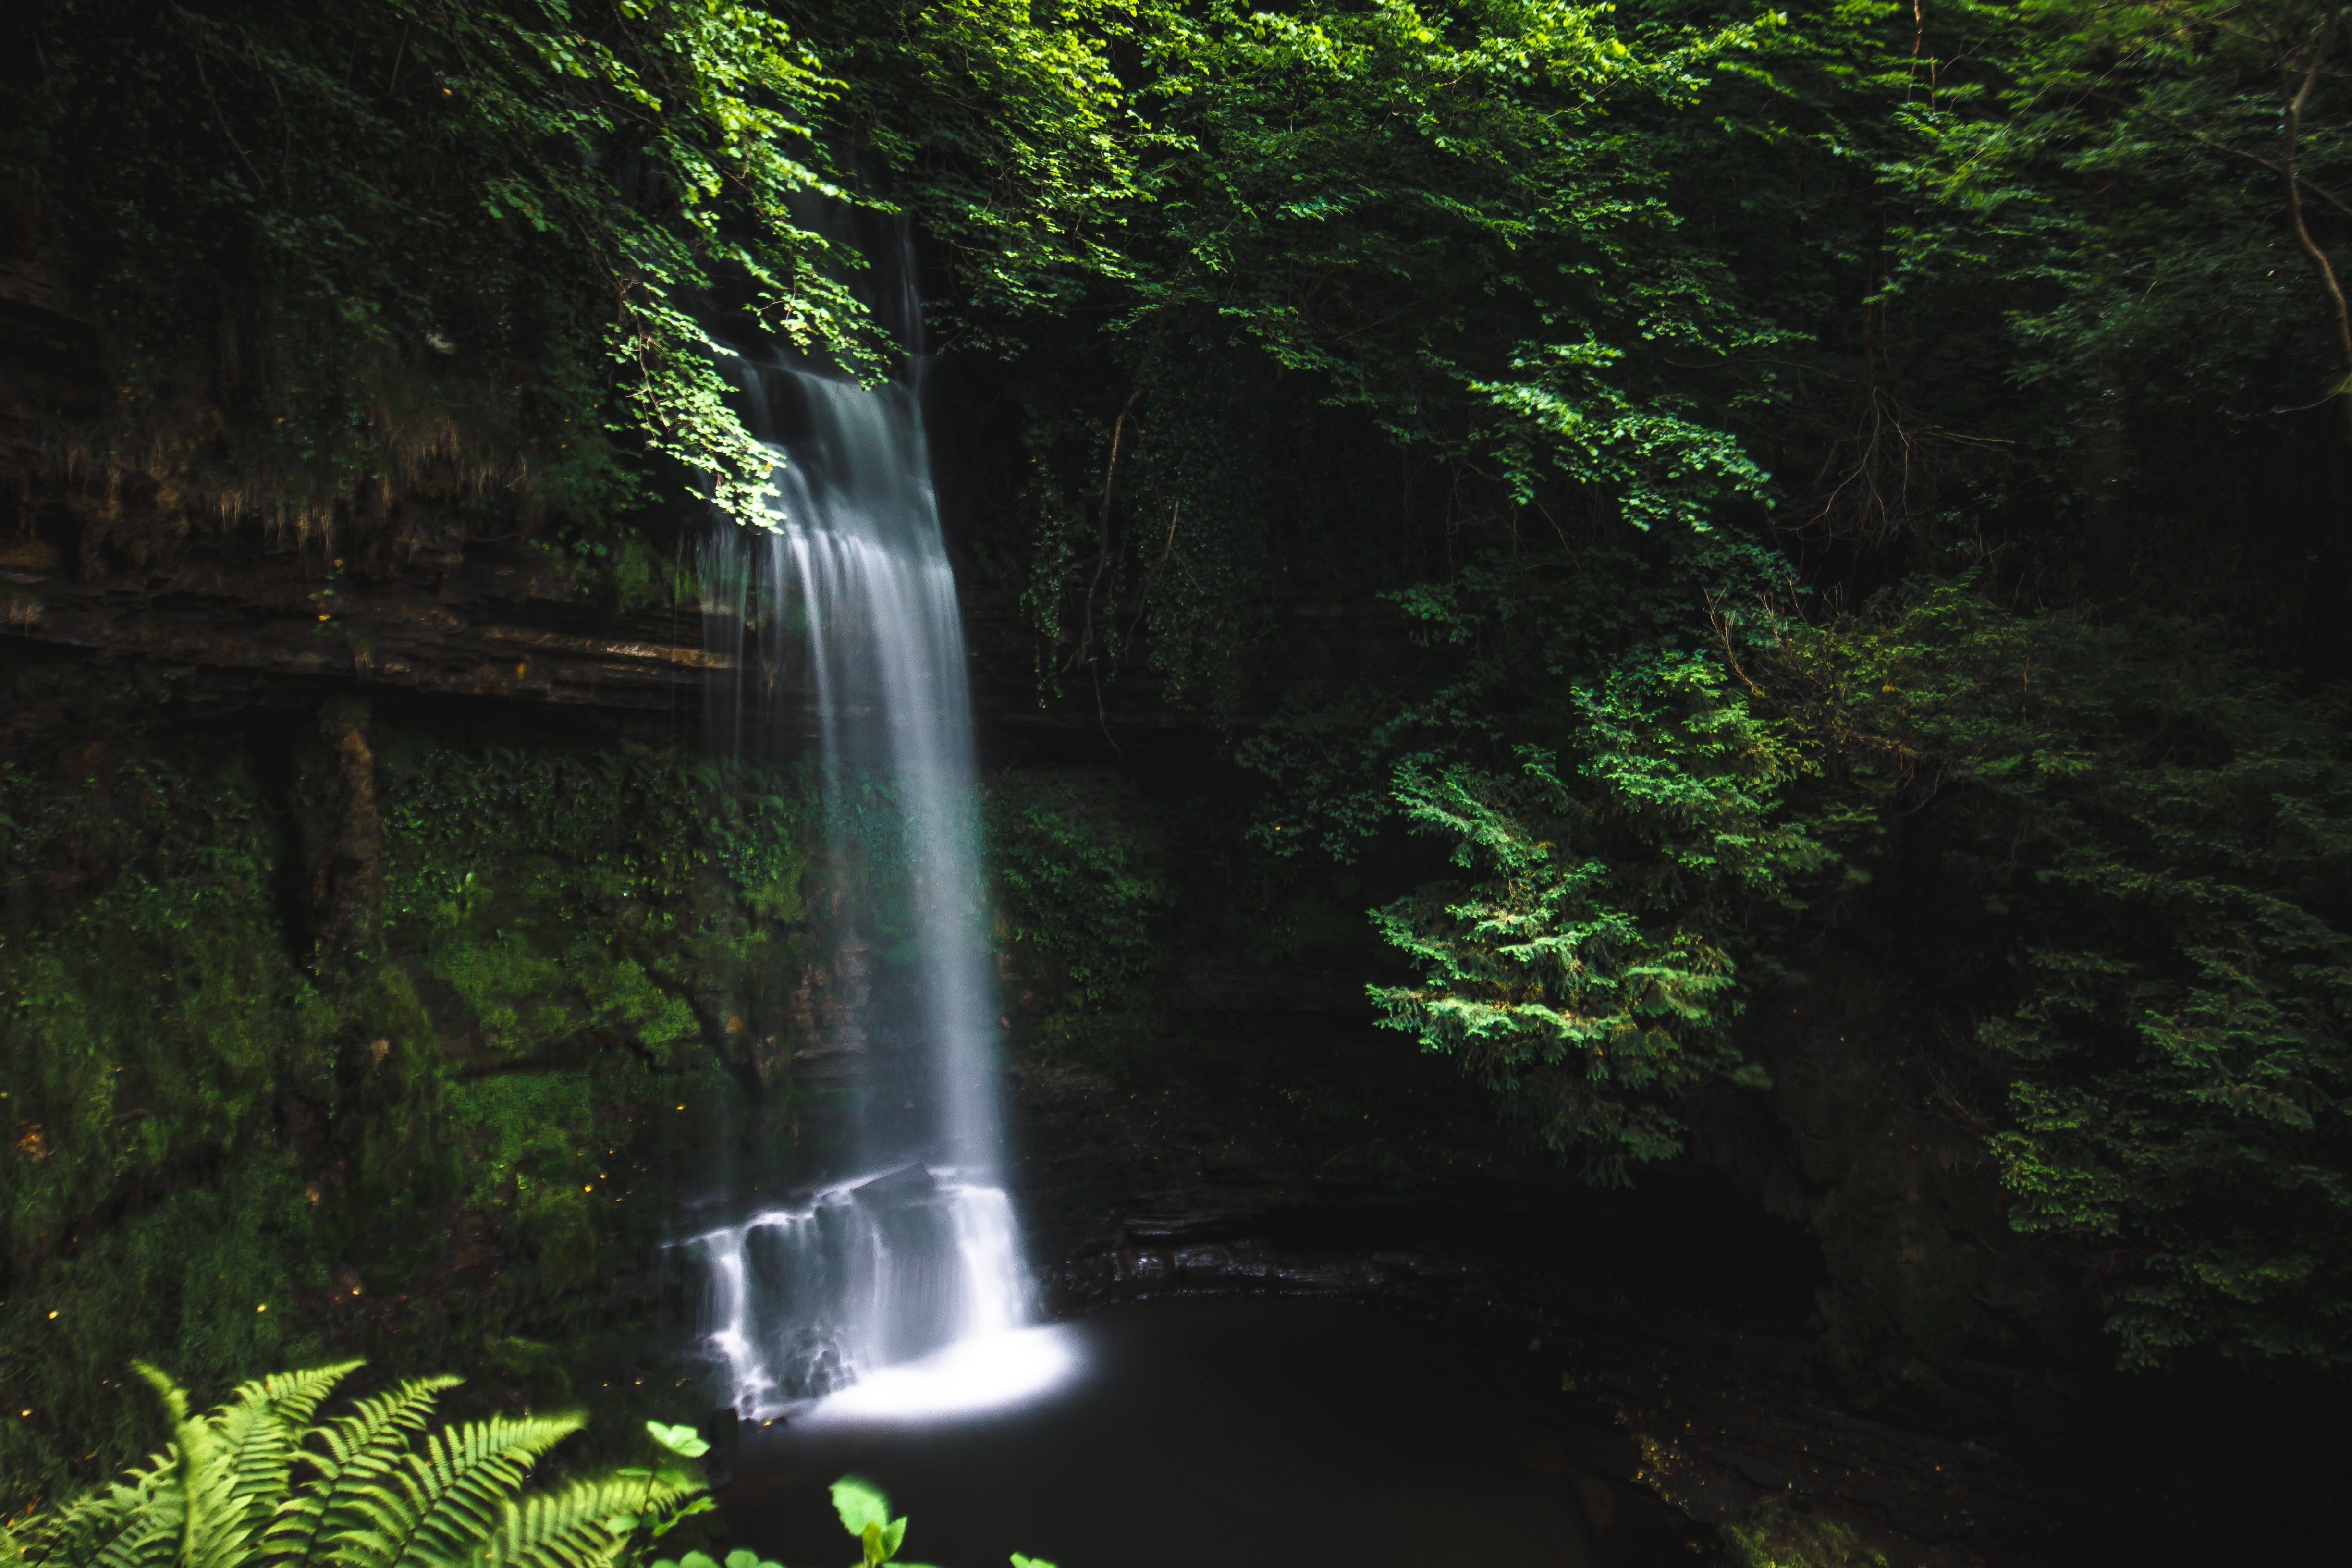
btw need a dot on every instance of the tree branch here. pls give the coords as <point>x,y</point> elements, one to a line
<point>2273,164</point>
<point>2293,129</point>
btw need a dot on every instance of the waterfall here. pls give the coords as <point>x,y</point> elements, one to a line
<point>840,626</point>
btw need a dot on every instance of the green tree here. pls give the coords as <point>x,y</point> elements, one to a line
<point>1589,973</point>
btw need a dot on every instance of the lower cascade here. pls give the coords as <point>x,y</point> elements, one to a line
<point>846,607</point>
<point>808,1301</point>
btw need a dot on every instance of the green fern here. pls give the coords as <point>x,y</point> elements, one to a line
<point>351,1454</point>
<point>256,1484</point>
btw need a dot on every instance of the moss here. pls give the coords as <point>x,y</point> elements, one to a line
<point>1083,899</point>
<point>212,1275</point>
<point>236,1142</point>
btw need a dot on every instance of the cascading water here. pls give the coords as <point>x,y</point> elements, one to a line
<point>809,1301</point>
<point>846,611</point>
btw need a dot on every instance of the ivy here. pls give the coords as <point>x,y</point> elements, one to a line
<point>1083,892</point>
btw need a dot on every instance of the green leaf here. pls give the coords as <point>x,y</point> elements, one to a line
<point>859,1505</point>
<point>1021,1561</point>
<point>682,1441</point>
<point>671,1519</point>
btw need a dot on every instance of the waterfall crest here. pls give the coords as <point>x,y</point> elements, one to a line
<point>840,626</point>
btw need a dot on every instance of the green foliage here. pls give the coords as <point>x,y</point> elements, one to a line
<point>2132,842</point>
<point>1500,648</point>
<point>1009,130</point>
<point>680,1440</point>
<point>1419,240</point>
<point>256,1480</point>
<point>2154,835</point>
<point>218,1131</point>
<point>1083,892</point>
<point>2121,171</point>
<point>740,1558</point>
<point>864,1512</point>
<point>1331,167</point>
<point>1587,972</point>
<point>447,246</point>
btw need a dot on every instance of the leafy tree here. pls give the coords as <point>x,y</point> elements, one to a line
<point>2146,175</point>
<point>1009,130</point>
<point>1386,230</point>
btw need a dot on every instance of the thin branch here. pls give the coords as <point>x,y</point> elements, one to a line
<point>1143,596</point>
<point>2322,191</point>
<point>2294,209</point>
<point>260,186</point>
<point>1085,652</point>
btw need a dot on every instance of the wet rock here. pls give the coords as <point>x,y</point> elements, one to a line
<point>902,1185</point>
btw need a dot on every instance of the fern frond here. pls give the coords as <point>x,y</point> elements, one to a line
<point>349,1453</point>
<point>174,1397</point>
<point>221,1495</point>
<point>250,1449</point>
<point>573,1527</point>
<point>441,1504</point>
<point>200,1501</point>
<point>151,1537</point>
<point>295,1396</point>
<point>133,1522</point>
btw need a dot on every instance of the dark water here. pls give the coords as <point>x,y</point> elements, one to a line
<point>1230,1432</point>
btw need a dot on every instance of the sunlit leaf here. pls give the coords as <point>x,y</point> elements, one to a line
<point>683,1441</point>
<point>860,1504</point>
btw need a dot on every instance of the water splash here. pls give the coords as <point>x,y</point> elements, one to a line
<point>874,1279</point>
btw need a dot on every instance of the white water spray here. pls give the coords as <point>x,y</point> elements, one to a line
<point>908,1292</point>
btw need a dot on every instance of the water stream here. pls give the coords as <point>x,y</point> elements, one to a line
<point>840,626</point>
